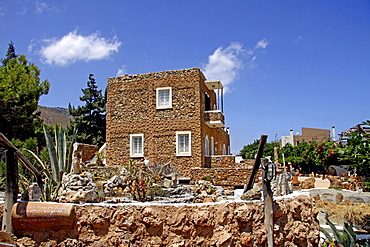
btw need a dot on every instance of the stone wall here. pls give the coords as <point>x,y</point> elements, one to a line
<point>222,176</point>
<point>226,224</point>
<point>131,109</point>
<point>84,152</point>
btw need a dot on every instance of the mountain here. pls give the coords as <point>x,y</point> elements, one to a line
<point>53,115</point>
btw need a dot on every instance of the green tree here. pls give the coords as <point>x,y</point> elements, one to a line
<point>20,91</point>
<point>90,118</point>
<point>356,153</point>
<point>10,54</point>
<point>249,151</point>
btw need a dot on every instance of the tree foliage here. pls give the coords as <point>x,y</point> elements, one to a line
<point>249,151</point>
<point>90,118</point>
<point>311,157</point>
<point>20,91</point>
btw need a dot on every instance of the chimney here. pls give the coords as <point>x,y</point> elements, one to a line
<point>291,137</point>
<point>334,135</point>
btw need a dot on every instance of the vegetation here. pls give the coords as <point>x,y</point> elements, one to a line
<point>249,151</point>
<point>345,239</point>
<point>90,118</point>
<point>59,163</point>
<point>20,90</point>
<point>319,156</point>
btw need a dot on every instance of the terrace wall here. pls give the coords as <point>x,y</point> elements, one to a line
<point>226,224</point>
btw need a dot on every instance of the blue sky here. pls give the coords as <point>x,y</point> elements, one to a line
<point>285,64</point>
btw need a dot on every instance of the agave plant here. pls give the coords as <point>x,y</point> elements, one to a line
<point>345,239</point>
<point>58,162</point>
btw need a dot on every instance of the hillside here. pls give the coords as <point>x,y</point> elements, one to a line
<point>53,115</point>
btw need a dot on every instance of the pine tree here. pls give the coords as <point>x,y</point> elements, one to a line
<point>10,54</point>
<point>90,118</point>
<point>20,91</point>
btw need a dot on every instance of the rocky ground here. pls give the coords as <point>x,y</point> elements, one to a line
<point>334,204</point>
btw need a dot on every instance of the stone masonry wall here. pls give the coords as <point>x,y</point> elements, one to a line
<point>84,152</point>
<point>226,224</point>
<point>131,102</point>
<point>222,176</point>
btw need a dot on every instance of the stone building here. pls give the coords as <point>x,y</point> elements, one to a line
<point>166,116</point>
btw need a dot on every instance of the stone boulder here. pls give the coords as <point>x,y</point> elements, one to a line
<point>78,188</point>
<point>252,194</point>
<point>309,183</point>
<point>33,193</point>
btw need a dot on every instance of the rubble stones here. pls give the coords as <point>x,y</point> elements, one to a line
<point>33,193</point>
<point>78,188</point>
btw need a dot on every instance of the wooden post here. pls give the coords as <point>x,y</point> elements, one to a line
<point>256,165</point>
<point>11,188</point>
<point>268,206</point>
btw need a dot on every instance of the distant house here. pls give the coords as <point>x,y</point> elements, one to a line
<point>361,128</point>
<point>308,135</point>
<point>166,116</point>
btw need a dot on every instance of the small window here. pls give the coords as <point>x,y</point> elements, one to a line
<point>224,152</point>
<point>212,146</point>
<point>164,98</point>
<point>137,145</point>
<point>207,146</point>
<point>183,143</point>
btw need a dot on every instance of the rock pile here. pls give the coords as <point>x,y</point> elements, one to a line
<point>352,182</point>
<point>206,192</point>
<point>78,188</point>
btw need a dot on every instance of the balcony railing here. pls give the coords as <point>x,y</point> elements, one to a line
<point>214,119</point>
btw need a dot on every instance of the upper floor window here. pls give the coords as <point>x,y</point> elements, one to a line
<point>137,145</point>
<point>183,143</point>
<point>164,97</point>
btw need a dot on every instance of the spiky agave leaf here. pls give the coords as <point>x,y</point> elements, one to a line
<point>52,155</point>
<point>337,235</point>
<point>45,171</point>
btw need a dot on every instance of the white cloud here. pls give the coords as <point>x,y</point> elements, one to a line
<point>41,6</point>
<point>121,71</point>
<point>225,64</point>
<point>73,47</point>
<point>261,44</point>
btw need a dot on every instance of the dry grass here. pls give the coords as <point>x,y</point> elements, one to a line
<point>356,213</point>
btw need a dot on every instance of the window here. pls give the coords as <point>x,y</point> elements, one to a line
<point>207,146</point>
<point>183,143</point>
<point>212,146</point>
<point>164,98</point>
<point>137,145</point>
<point>224,152</point>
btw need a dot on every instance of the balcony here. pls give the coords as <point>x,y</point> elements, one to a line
<point>214,119</point>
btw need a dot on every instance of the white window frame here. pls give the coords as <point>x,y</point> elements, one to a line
<point>180,152</point>
<point>141,152</point>
<point>169,103</point>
